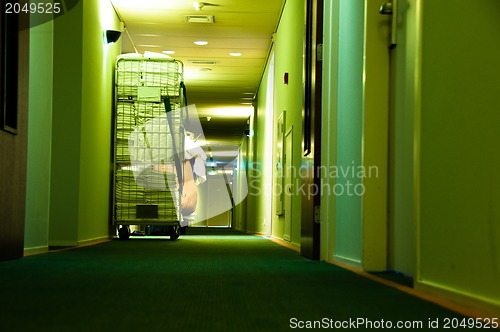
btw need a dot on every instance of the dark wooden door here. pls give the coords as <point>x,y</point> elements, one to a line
<point>311,120</point>
<point>14,54</point>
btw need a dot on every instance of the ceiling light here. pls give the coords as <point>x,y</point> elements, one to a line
<point>205,69</point>
<point>202,62</point>
<point>201,42</point>
<point>225,153</point>
<point>155,55</point>
<point>243,111</point>
<point>235,54</point>
<point>199,18</point>
<point>168,52</point>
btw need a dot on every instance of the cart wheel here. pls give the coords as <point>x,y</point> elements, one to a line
<point>123,233</point>
<point>174,232</point>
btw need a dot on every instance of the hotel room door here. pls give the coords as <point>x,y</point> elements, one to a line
<point>311,136</point>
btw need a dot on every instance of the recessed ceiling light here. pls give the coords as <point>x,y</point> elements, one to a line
<point>201,42</point>
<point>202,62</point>
<point>235,54</point>
<point>169,52</point>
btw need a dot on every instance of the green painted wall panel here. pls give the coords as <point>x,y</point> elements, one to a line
<point>287,50</point>
<point>39,137</point>
<point>241,185</point>
<point>261,139</point>
<point>96,127</point>
<point>253,179</point>
<point>460,214</point>
<point>402,228</point>
<point>66,128</point>
<point>82,125</point>
<point>328,129</point>
<point>349,129</point>
<point>288,97</point>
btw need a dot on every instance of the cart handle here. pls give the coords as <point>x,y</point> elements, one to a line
<point>178,167</point>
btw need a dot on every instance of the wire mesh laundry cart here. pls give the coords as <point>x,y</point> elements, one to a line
<point>148,145</point>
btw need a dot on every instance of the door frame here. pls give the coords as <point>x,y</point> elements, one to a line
<point>288,187</point>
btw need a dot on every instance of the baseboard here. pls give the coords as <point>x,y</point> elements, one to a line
<point>284,243</point>
<point>63,243</point>
<point>429,293</point>
<point>467,303</point>
<point>35,250</point>
<point>351,263</point>
<point>90,242</point>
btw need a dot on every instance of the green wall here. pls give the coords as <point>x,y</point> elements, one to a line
<point>329,120</point>
<point>459,240</point>
<point>402,226</point>
<point>96,123</point>
<point>288,49</point>
<point>252,178</point>
<point>66,128</point>
<point>444,225</point>
<point>70,127</point>
<point>354,134</point>
<point>241,186</point>
<point>258,218</point>
<point>279,97</point>
<point>349,129</point>
<point>39,137</point>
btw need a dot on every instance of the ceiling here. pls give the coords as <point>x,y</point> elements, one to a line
<point>220,85</point>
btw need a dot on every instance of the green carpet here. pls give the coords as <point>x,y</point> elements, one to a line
<point>220,282</point>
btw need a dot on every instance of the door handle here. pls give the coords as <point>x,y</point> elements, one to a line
<point>386,8</point>
<point>391,8</point>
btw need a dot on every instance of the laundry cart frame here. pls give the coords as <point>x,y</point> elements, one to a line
<point>148,147</point>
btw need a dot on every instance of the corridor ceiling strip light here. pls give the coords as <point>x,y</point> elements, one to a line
<point>199,18</point>
<point>235,54</point>
<point>201,42</point>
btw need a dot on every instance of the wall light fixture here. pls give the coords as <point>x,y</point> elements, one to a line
<point>112,36</point>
